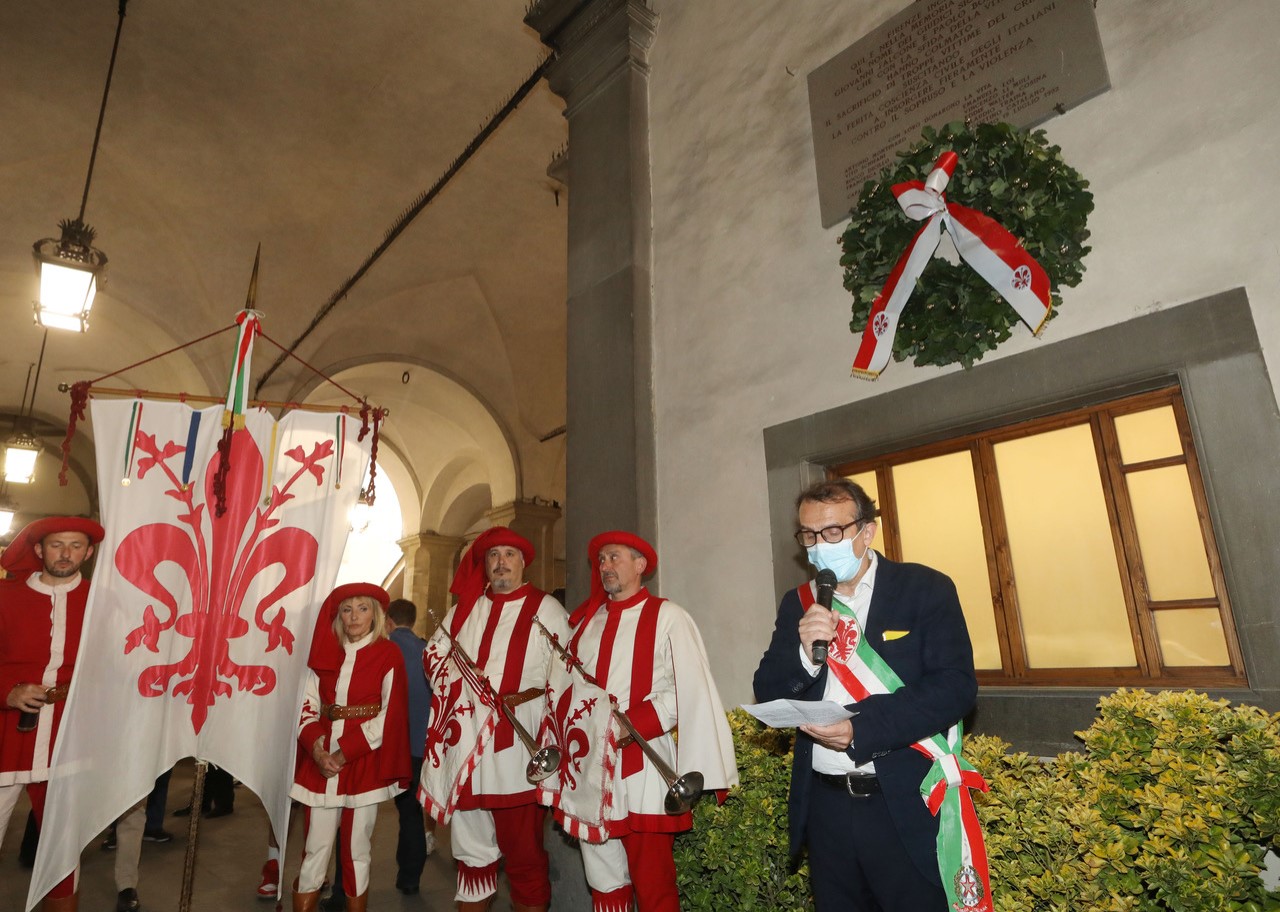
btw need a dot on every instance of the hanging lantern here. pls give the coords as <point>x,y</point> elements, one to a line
<point>70,270</point>
<point>20,452</point>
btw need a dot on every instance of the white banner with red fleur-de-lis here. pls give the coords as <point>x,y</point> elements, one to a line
<point>463,720</point>
<point>580,721</point>
<point>982,242</point>
<point>198,625</point>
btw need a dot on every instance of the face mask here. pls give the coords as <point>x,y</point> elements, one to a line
<point>838,558</point>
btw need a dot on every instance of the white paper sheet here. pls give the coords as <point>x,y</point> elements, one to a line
<point>790,713</point>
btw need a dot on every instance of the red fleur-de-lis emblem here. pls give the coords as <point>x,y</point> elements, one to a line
<point>880,325</point>
<point>219,557</point>
<point>448,706</point>
<point>1021,277</point>
<point>560,726</point>
<point>846,642</point>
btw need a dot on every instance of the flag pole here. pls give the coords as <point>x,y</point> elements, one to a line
<point>235,405</point>
<point>193,832</point>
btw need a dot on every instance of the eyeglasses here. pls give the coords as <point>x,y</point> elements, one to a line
<point>807,538</point>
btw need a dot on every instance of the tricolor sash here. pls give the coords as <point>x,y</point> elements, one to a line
<point>962,855</point>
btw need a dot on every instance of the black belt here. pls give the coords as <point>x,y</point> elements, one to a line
<point>859,785</point>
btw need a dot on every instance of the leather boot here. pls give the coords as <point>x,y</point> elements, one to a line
<point>519,907</point>
<point>358,903</point>
<point>61,904</point>
<point>306,902</point>
<point>478,906</point>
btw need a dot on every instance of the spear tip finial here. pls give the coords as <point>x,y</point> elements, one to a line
<point>252,297</point>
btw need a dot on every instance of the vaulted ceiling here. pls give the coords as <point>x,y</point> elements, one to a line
<point>308,127</point>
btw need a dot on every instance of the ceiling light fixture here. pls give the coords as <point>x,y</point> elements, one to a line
<point>70,268</point>
<point>22,448</point>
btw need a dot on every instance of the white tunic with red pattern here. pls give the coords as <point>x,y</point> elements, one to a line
<point>39,638</point>
<point>647,653</point>
<point>498,633</point>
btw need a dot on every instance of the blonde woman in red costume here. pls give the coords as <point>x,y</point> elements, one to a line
<point>353,750</point>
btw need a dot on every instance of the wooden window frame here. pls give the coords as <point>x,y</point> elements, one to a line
<point>1149,670</point>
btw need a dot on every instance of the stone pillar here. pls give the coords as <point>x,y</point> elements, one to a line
<point>536,521</point>
<point>429,562</point>
<point>602,74</point>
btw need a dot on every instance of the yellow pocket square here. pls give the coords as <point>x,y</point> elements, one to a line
<point>895,634</point>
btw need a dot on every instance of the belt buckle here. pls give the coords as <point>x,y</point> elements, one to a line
<point>850,778</point>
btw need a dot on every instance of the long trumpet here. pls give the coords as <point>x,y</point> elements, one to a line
<point>543,761</point>
<point>682,791</point>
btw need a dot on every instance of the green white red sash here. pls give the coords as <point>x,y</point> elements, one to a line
<point>962,854</point>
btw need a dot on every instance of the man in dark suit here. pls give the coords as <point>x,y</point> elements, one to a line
<point>855,785</point>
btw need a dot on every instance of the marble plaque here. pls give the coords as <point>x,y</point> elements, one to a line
<point>1018,61</point>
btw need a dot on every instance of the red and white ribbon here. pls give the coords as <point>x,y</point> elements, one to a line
<point>982,242</point>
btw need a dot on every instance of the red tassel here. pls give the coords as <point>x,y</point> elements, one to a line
<point>373,454</point>
<point>220,477</point>
<point>79,399</point>
<point>364,420</point>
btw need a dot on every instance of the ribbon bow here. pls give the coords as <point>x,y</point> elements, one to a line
<point>962,853</point>
<point>982,242</point>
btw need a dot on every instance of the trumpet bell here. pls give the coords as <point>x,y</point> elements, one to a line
<point>683,793</point>
<point>543,763</point>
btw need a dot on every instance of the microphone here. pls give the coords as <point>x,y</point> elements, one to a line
<point>826,589</point>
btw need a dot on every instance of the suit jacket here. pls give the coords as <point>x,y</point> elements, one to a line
<point>930,651</point>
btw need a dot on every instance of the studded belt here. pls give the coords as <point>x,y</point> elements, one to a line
<point>333,712</point>
<point>519,699</point>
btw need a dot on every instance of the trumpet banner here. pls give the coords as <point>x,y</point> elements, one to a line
<point>579,720</point>
<point>464,718</point>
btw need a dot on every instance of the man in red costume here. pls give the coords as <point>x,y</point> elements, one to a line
<point>474,778</point>
<point>646,653</point>
<point>41,614</point>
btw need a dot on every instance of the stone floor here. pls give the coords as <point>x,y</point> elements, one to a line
<point>228,863</point>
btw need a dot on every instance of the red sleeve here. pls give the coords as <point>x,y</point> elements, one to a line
<point>394,756</point>
<point>644,716</point>
<point>310,734</point>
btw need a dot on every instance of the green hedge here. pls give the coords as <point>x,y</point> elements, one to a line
<point>1170,807</point>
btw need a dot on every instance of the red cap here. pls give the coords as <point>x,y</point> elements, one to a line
<point>470,579</point>
<point>326,651</point>
<point>615,537</point>
<point>20,557</point>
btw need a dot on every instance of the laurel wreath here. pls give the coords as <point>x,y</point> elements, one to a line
<point>1014,176</point>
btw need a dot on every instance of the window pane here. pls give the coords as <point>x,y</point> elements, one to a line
<point>867,481</point>
<point>1191,636</point>
<point>1064,561</point>
<point>1169,534</point>
<point>1152,434</point>
<point>939,526</point>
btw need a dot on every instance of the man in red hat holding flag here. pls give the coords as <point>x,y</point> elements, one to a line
<point>41,614</point>
<point>645,652</point>
<point>474,779</point>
